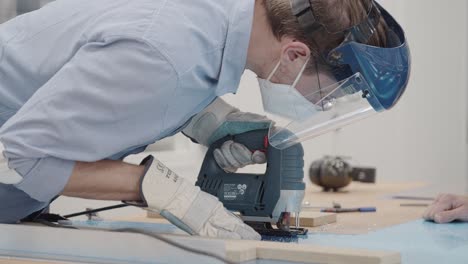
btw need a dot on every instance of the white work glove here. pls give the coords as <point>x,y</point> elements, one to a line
<point>221,119</point>
<point>187,207</point>
<point>448,208</point>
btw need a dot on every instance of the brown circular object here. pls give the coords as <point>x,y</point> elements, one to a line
<point>331,173</point>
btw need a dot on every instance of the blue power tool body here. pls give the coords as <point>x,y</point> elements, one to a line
<point>263,200</point>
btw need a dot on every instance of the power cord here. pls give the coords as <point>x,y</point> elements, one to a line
<point>175,244</point>
<point>137,231</point>
<point>87,212</point>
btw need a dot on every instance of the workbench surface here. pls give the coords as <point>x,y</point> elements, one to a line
<point>418,242</point>
<point>389,211</point>
<point>392,228</point>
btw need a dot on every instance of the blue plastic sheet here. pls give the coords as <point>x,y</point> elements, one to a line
<point>418,242</point>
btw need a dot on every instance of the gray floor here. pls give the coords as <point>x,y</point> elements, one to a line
<point>7,10</point>
<point>12,8</point>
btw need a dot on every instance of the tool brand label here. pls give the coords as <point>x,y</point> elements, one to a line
<point>234,191</point>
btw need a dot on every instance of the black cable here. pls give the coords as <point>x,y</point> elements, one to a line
<point>96,210</point>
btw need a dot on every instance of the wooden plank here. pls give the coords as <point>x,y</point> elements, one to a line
<point>329,255</point>
<point>308,219</point>
<point>5,260</point>
<point>315,219</point>
<point>242,251</point>
<point>95,245</point>
<point>153,215</point>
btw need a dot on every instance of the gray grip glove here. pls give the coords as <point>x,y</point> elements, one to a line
<point>232,156</point>
<point>221,119</point>
<point>187,207</point>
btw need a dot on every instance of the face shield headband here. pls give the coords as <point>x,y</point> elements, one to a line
<point>386,69</point>
<point>352,81</point>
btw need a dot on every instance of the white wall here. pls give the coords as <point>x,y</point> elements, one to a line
<point>465,68</point>
<point>425,136</point>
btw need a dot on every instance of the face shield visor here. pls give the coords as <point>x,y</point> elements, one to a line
<point>348,83</point>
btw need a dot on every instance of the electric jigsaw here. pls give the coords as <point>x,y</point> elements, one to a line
<point>263,200</point>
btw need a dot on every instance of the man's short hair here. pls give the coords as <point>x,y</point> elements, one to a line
<point>334,15</point>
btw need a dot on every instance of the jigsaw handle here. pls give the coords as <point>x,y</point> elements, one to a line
<point>291,167</point>
<point>288,163</point>
<point>256,194</point>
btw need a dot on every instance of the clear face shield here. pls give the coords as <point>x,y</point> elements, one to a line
<point>349,83</point>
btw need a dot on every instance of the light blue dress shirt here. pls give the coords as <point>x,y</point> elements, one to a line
<point>86,80</point>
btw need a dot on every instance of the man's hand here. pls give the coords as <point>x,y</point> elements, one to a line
<point>187,207</point>
<point>448,208</point>
<point>221,119</point>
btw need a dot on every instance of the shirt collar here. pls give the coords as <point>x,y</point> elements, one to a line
<point>236,47</point>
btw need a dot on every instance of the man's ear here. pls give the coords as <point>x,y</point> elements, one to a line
<point>293,51</point>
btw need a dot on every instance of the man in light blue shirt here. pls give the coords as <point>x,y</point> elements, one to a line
<point>85,83</point>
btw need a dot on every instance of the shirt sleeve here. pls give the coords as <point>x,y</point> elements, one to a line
<point>16,204</point>
<point>109,97</point>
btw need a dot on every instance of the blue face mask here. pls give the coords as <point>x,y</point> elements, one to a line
<point>284,100</point>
